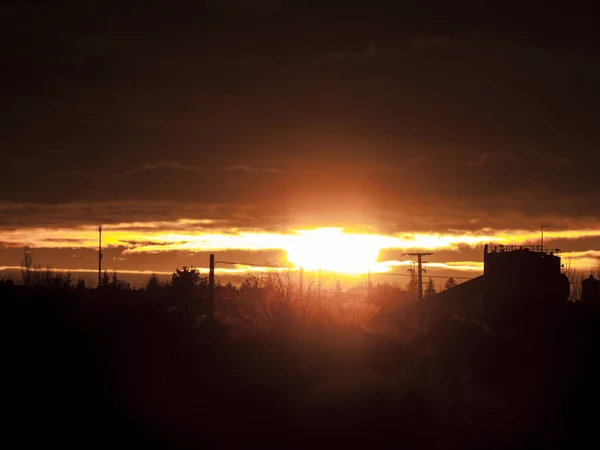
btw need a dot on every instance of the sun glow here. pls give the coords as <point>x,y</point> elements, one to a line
<point>332,250</point>
<point>340,250</point>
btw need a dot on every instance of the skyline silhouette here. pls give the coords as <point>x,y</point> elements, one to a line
<point>135,249</point>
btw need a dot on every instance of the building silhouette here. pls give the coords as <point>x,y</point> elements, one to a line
<point>519,284</point>
<point>521,281</point>
<point>590,289</point>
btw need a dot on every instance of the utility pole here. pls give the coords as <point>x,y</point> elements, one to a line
<point>211,284</point>
<point>419,271</point>
<point>419,281</point>
<point>99,256</point>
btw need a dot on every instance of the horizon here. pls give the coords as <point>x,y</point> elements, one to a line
<point>343,254</point>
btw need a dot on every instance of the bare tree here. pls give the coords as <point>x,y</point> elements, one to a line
<point>27,267</point>
<point>575,279</point>
<point>271,300</point>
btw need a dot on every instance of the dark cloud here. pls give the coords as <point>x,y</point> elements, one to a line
<point>494,159</point>
<point>249,217</point>
<point>254,9</point>
<point>148,243</point>
<point>116,258</point>
<point>265,114</point>
<point>558,161</point>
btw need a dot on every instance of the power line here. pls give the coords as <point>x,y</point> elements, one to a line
<point>252,265</point>
<point>430,276</point>
<point>373,273</point>
<point>419,256</point>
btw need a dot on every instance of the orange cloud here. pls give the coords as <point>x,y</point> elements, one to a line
<point>334,249</point>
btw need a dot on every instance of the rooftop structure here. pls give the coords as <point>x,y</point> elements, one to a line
<point>522,279</point>
<point>515,263</point>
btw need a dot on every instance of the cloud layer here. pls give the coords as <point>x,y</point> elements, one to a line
<point>271,117</point>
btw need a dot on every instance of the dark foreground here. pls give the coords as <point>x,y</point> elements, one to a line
<point>82,376</point>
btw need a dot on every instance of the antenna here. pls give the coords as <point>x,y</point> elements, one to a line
<point>543,227</point>
<point>211,284</point>
<point>99,256</point>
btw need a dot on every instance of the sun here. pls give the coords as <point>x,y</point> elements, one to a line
<point>333,250</point>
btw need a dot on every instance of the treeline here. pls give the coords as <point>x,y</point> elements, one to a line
<point>263,301</point>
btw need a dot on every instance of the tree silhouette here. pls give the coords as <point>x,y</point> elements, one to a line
<point>252,281</point>
<point>115,283</point>
<point>187,278</point>
<point>450,283</point>
<point>56,280</point>
<point>338,286</point>
<point>68,280</point>
<point>413,282</point>
<point>153,283</point>
<point>575,277</point>
<point>430,289</point>
<point>80,285</point>
<point>105,280</point>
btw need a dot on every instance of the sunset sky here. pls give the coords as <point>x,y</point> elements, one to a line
<point>271,133</point>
